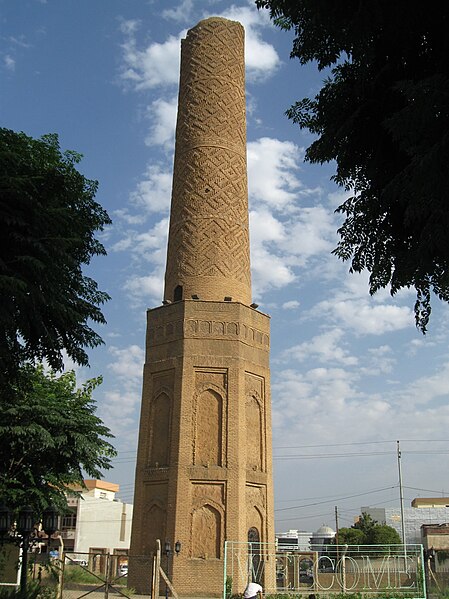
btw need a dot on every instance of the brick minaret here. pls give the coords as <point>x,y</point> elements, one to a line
<point>204,465</point>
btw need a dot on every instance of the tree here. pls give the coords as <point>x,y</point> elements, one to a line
<point>383,534</point>
<point>383,115</point>
<point>365,523</point>
<point>367,531</point>
<point>48,221</point>
<point>49,435</point>
<point>350,536</point>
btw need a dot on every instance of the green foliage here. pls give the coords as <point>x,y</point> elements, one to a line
<point>350,536</point>
<point>382,534</point>
<point>365,523</point>
<point>34,591</point>
<point>228,587</point>
<point>367,531</point>
<point>382,115</point>
<point>49,435</point>
<point>48,221</point>
<point>79,575</point>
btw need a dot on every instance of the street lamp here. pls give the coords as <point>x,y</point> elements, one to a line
<point>168,552</point>
<point>24,528</point>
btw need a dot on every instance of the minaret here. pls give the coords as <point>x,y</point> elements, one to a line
<point>204,464</point>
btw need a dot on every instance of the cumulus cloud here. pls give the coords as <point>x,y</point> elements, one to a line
<point>155,66</point>
<point>153,192</point>
<point>128,363</point>
<point>381,360</point>
<point>119,410</point>
<point>328,347</point>
<point>312,232</point>
<point>427,390</point>
<point>163,117</point>
<point>272,173</point>
<point>181,13</point>
<point>290,305</point>
<point>150,246</point>
<point>366,318</point>
<point>146,289</point>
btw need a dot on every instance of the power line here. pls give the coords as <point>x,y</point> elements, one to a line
<point>331,500</point>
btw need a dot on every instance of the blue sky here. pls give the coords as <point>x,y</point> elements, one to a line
<point>350,373</point>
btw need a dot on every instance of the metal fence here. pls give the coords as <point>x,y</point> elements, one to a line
<point>97,575</point>
<point>374,570</point>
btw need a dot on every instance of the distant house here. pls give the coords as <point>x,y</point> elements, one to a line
<point>97,521</point>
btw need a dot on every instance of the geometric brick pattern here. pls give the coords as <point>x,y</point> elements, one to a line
<point>208,251</point>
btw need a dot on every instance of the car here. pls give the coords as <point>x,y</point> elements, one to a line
<point>123,570</point>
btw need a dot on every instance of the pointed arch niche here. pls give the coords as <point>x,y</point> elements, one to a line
<point>208,428</point>
<point>153,528</point>
<point>160,429</point>
<point>255,433</point>
<point>206,532</point>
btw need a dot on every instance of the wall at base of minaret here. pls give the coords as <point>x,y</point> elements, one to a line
<point>204,467</point>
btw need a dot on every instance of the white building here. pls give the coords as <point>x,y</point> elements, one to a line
<point>97,522</point>
<point>299,540</point>
<point>293,540</point>
<point>423,511</point>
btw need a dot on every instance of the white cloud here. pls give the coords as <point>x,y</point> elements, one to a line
<point>381,360</point>
<point>269,271</point>
<point>268,268</point>
<point>326,347</point>
<point>155,66</point>
<point>163,117</point>
<point>9,62</point>
<point>423,391</point>
<point>154,191</point>
<point>180,13</point>
<point>128,363</point>
<point>158,64</point>
<point>129,26</point>
<point>290,305</point>
<point>148,289</point>
<point>150,246</point>
<point>119,410</point>
<point>272,166</point>
<point>312,232</point>
<point>366,318</point>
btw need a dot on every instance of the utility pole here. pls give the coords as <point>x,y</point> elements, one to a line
<point>336,532</point>
<point>401,496</point>
<point>336,526</point>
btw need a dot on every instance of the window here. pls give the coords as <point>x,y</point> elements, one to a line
<point>177,294</point>
<point>68,521</point>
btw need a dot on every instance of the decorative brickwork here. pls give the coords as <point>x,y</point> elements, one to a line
<point>204,466</point>
<point>208,250</point>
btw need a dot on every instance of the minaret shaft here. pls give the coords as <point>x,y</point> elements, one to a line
<point>208,249</point>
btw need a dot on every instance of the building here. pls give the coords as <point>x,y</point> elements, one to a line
<point>97,521</point>
<point>422,511</point>
<point>435,537</point>
<point>204,463</point>
<point>293,540</point>
<point>430,502</point>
